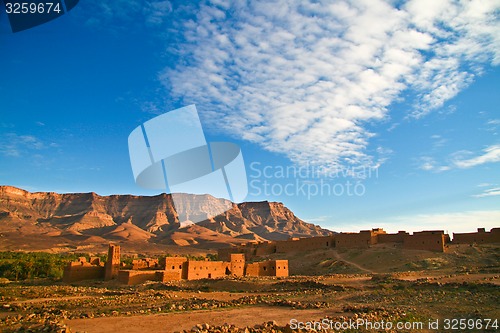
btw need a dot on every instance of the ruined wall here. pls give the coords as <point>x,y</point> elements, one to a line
<point>237,266</point>
<point>145,263</point>
<point>305,244</point>
<point>479,237</point>
<point>354,240</point>
<point>392,238</point>
<point>165,276</point>
<point>265,248</point>
<point>206,269</point>
<point>426,240</point>
<point>131,277</point>
<point>113,264</point>
<point>268,268</point>
<point>82,270</point>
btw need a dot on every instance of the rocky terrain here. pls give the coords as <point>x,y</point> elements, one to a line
<point>376,285</point>
<point>46,220</point>
<point>252,305</point>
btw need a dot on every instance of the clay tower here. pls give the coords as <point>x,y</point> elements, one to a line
<point>113,264</point>
<point>238,264</point>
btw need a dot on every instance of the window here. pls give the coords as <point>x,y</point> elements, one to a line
<point>180,266</point>
<point>173,267</point>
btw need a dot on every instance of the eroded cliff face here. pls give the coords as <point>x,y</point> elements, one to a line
<point>148,217</point>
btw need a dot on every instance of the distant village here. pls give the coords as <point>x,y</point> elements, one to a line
<point>236,260</point>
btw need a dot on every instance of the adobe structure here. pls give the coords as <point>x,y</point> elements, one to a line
<point>480,237</point>
<point>234,260</point>
<point>83,270</point>
<point>169,269</point>
<point>113,264</point>
<point>433,240</point>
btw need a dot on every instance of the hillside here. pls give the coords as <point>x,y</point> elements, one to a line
<point>46,219</point>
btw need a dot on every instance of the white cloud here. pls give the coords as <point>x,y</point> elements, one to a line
<point>427,163</point>
<point>461,159</point>
<point>490,155</point>
<point>305,79</point>
<point>157,12</point>
<point>14,145</point>
<point>488,193</point>
<point>457,222</point>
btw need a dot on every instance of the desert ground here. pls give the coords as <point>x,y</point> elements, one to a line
<point>379,290</point>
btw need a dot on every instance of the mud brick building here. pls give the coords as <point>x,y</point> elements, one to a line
<point>145,263</point>
<point>83,270</point>
<point>268,268</point>
<point>427,240</point>
<point>433,240</point>
<point>170,269</point>
<point>234,261</point>
<point>480,237</point>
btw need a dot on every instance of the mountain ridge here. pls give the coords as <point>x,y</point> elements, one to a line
<point>86,217</point>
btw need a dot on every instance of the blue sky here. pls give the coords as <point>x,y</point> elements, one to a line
<point>387,111</point>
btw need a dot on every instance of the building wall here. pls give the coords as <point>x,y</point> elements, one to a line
<point>131,277</point>
<point>392,238</point>
<point>268,268</point>
<point>145,263</point>
<point>175,265</point>
<point>426,240</point>
<point>224,254</point>
<point>266,248</point>
<point>206,269</point>
<point>305,244</point>
<point>353,240</point>
<point>237,264</point>
<point>82,270</point>
<point>113,264</point>
<point>479,237</point>
<point>281,267</point>
<point>164,276</point>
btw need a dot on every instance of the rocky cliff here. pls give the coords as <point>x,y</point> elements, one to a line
<point>84,217</point>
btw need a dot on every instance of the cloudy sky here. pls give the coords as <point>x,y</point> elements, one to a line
<point>355,114</point>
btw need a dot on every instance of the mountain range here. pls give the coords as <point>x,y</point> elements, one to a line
<point>47,219</point>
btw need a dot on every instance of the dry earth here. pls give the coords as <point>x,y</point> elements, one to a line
<point>249,305</point>
<point>382,283</point>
